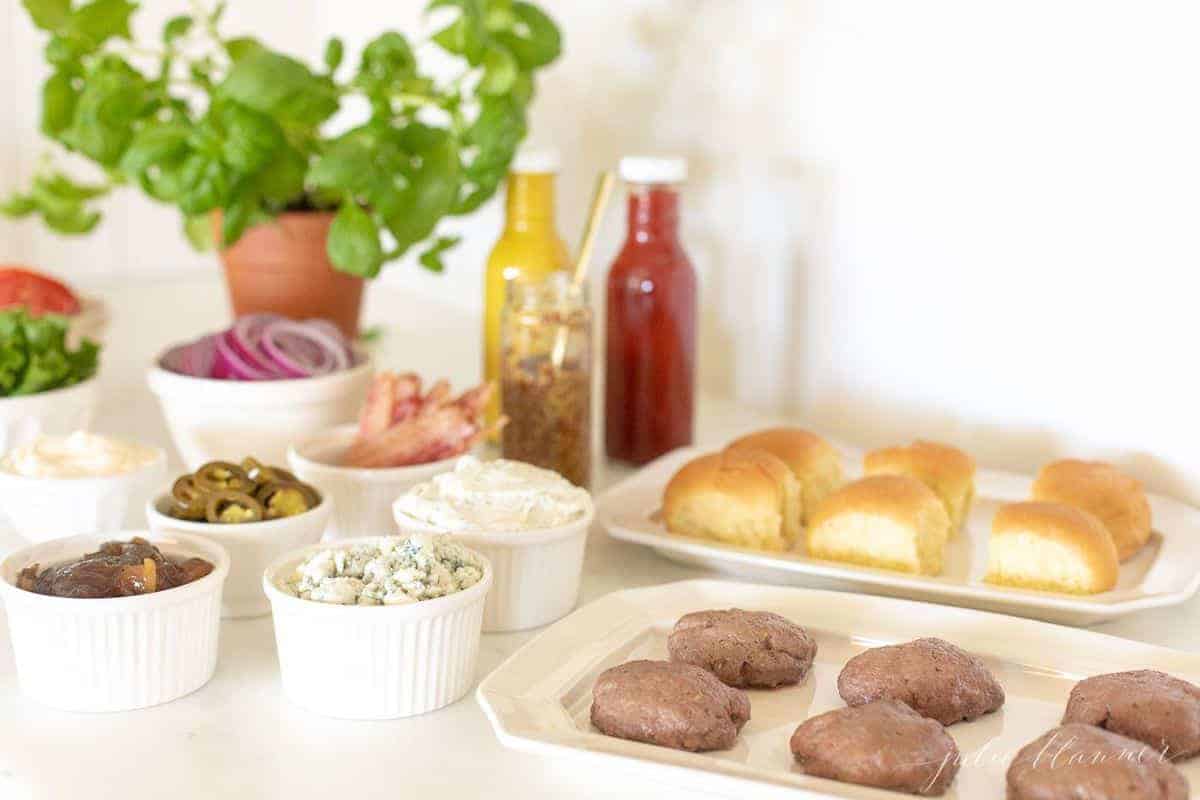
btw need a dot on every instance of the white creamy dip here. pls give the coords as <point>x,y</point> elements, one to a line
<point>78,455</point>
<point>391,571</point>
<point>493,496</point>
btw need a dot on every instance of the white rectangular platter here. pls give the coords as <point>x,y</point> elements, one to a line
<point>1166,572</point>
<point>539,700</point>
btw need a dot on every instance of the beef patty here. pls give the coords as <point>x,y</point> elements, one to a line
<point>669,704</point>
<point>1150,706</point>
<point>1082,761</point>
<point>884,744</point>
<point>744,648</point>
<point>935,678</point>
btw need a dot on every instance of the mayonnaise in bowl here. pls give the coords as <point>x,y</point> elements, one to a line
<point>77,455</point>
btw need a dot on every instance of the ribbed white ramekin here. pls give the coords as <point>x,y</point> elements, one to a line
<point>252,546</point>
<point>536,572</point>
<point>374,662</point>
<point>120,653</point>
<point>42,509</point>
<point>362,496</point>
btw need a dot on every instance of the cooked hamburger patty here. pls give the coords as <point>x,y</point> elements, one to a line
<point>1147,705</point>
<point>1083,762</point>
<point>884,744</point>
<point>744,648</point>
<point>935,678</point>
<point>669,704</point>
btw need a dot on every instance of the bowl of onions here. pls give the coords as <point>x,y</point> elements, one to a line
<point>257,386</point>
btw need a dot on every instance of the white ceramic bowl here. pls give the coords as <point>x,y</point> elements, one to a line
<point>374,662</point>
<point>119,653</point>
<point>362,497</point>
<point>251,546</point>
<point>42,509</point>
<point>57,413</point>
<point>536,572</point>
<point>209,419</point>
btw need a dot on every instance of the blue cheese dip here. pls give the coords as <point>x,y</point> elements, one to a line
<point>478,496</point>
<point>388,571</point>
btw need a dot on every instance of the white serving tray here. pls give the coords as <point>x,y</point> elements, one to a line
<point>539,700</point>
<point>1166,572</point>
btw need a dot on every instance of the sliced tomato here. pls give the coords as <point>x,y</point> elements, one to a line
<point>36,292</point>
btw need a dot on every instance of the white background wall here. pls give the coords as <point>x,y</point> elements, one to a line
<point>955,218</point>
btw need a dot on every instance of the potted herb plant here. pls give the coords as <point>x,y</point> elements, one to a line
<point>237,136</point>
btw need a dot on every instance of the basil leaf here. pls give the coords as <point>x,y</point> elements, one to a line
<point>154,145</point>
<point>499,71</point>
<point>113,96</point>
<point>241,47</point>
<point>176,27</point>
<point>431,259</point>
<point>281,87</point>
<point>100,20</point>
<point>250,138</point>
<point>281,181</point>
<point>534,40</point>
<point>199,232</point>
<point>58,104</point>
<point>18,205</point>
<point>432,189</point>
<point>334,51</point>
<point>49,15</point>
<point>354,241</point>
<point>386,63</point>
<point>236,218</point>
<point>205,184</point>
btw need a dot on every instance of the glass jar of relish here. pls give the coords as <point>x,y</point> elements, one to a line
<point>546,376</point>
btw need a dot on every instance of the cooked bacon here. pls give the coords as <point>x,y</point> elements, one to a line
<point>399,426</point>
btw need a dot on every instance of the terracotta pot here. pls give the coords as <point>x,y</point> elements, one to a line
<point>281,266</point>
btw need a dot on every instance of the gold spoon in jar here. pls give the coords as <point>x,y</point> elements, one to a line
<point>604,185</point>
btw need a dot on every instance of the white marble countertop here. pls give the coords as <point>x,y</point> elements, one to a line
<point>238,737</point>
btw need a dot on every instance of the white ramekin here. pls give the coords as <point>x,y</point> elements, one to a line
<point>535,572</point>
<point>57,412</point>
<point>374,662</point>
<point>252,546</point>
<point>42,509</point>
<point>119,653</point>
<point>209,419</point>
<point>362,497</point>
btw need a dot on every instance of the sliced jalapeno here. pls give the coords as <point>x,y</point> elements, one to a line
<point>216,476</point>
<point>284,498</point>
<point>228,506</point>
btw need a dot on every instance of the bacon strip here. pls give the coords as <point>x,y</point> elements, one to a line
<point>399,426</point>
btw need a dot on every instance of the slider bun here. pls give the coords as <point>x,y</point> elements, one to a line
<point>886,521</point>
<point>946,470</point>
<point>1051,546</point>
<point>1100,489</point>
<point>747,498</point>
<point>813,461</point>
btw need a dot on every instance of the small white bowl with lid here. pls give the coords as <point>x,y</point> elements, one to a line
<point>118,653</point>
<point>252,546</point>
<point>374,662</point>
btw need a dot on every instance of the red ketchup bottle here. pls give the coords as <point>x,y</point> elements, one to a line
<point>651,335</point>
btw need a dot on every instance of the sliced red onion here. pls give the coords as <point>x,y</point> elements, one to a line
<point>262,347</point>
<point>279,342</point>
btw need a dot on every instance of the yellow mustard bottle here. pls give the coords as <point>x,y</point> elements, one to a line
<point>528,248</point>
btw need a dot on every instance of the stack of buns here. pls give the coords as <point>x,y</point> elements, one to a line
<point>781,488</point>
<point>1085,518</point>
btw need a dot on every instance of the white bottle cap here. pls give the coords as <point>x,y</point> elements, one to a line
<point>535,161</point>
<point>653,169</point>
